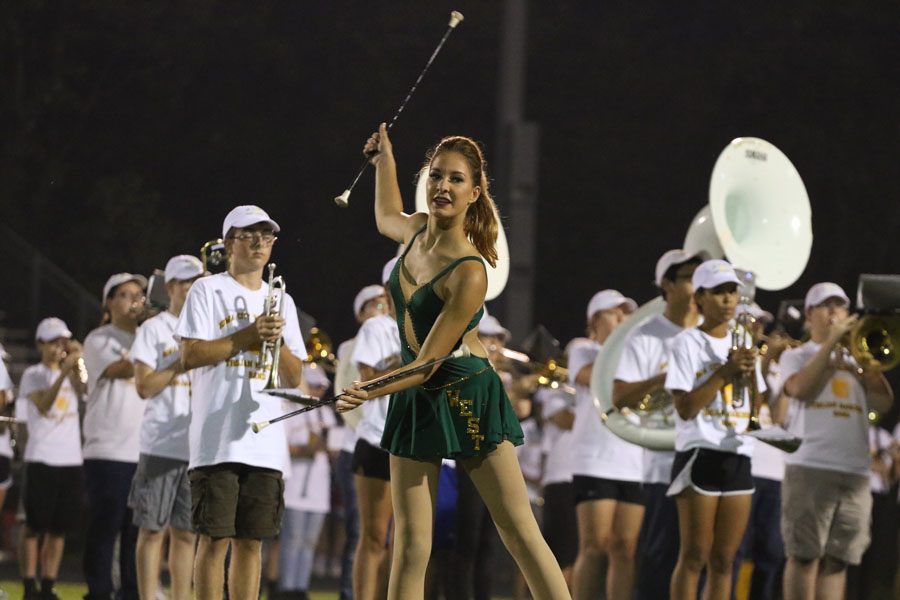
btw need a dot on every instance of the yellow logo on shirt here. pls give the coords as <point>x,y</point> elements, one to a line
<point>840,387</point>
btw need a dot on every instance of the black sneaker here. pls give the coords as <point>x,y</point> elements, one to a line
<point>47,595</point>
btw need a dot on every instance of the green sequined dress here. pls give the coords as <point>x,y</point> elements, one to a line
<point>462,410</point>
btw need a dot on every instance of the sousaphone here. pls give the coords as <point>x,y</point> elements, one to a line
<point>759,218</point>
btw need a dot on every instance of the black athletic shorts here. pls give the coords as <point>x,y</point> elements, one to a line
<point>715,473</point>
<point>595,488</point>
<point>236,500</point>
<point>52,498</point>
<point>371,461</point>
<point>559,524</point>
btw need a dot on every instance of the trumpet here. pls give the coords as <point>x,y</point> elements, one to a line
<point>271,351</point>
<point>548,374</point>
<point>742,337</point>
<point>320,349</point>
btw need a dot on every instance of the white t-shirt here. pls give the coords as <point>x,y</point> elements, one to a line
<point>309,486</point>
<point>377,343</point>
<point>113,412</point>
<point>167,415</point>
<point>54,438</point>
<point>644,356</point>
<point>530,457</point>
<point>768,461</point>
<point>556,442</point>
<point>598,451</point>
<point>834,424</point>
<point>693,357</point>
<point>227,397</point>
<point>6,385</point>
<point>346,374</point>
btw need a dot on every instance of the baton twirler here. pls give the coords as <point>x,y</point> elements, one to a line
<point>461,352</point>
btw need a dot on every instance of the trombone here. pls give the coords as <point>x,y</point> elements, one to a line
<point>270,351</point>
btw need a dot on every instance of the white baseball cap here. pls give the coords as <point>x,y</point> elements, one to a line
<point>607,299</point>
<point>50,329</point>
<point>713,273</point>
<point>120,278</point>
<point>755,311</point>
<point>245,216</point>
<point>821,292</point>
<point>489,325</point>
<point>675,257</point>
<point>364,295</point>
<point>388,269</point>
<point>315,375</point>
<point>183,268</point>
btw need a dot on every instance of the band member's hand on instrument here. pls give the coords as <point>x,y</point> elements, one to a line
<point>740,362</point>
<point>352,397</point>
<point>840,327</point>
<point>269,328</point>
<point>73,354</point>
<point>378,145</point>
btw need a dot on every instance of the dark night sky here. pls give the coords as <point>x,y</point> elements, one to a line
<point>132,128</point>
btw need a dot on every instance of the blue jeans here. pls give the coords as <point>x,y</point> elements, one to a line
<point>762,542</point>
<point>344,480</point>
<point>107,483</point>
<point>300,531</point>
<point>657,544</point>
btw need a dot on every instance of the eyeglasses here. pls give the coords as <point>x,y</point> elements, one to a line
<point>267,238</point>
<point>136,297</point>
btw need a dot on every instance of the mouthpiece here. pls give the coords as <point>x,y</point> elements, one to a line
<point>343,200</point>
<point>455,18</point>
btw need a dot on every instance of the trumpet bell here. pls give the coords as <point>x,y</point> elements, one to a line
<point>497,276</point>
<point>212,255</point>
<point>874,342</point>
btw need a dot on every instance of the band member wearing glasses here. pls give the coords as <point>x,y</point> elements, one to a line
<point>641,372</point>
<point>236,475</point>
<point>111,430</point>
<point>160,492</point>
<point>826,504</point>
<point>606,469</point>
<point>53,485</point>
<point>459,409</point>
<point>711,481</point>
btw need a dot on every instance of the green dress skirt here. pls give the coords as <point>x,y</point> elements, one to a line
<point>462,410</point>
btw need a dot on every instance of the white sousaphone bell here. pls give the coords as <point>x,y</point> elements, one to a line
<point>497,276</point>
<point>759,218</point>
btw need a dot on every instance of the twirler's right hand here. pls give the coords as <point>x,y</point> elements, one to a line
<point>378,145</point>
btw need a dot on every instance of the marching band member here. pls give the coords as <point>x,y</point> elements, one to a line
<point>460,409</point>
<point>711,479</point>
<point>307,494</point>
<point>606,469</point>
<point>762,543</point>
<point>642,371</point>
<point>160,494</point>
<point>346,374</point>
<point>826,505</point>
<point>376,352</point>
<point>53,483</point>
<point>111,428</point>
<point>236,476</point>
